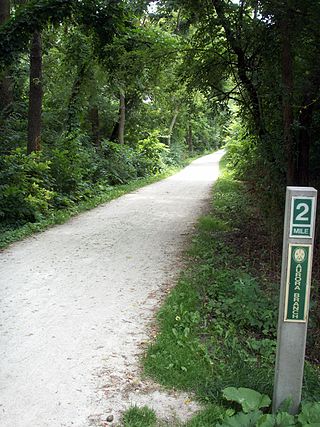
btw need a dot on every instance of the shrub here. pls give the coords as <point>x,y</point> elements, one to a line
<point>72,167</point>
<point>118,164</point>
<point>152,154</point>
<point>24,190</point>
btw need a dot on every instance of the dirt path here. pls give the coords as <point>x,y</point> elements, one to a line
<point>77,300</point>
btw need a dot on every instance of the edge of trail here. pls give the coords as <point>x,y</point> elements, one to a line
<point>61,216</point>
<point>78,302</point>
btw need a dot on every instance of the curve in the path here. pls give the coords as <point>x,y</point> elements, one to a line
<point>76,301</point>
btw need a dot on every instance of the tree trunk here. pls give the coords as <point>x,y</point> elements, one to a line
<point>177,29</point>
<point>122,118</point>
<point>4,11</point>
<point>72,110</point>
<point>255,11</point>
<point>95,126</point>
<point>304,145</point>
<point>173,122</point>
<point>5,80</point>
<point>189,139</point>
<point>287,80</point>
<point>115,131</point>
<point>35,94</point>
<point>131,102</point>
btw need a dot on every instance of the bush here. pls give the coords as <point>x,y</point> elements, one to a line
<point>177,154</point>
<point>25,194</point>
<point>72,168</point>
<point>263,172</point>
<point>152,154</point>
<point>118,164</point>
<point>242,151</point>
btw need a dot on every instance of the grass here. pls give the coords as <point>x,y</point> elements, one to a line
<point>139,417</point>
<point>217,328</point>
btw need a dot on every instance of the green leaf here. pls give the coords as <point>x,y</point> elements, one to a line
<point>242,420</point>
<point>286,405</point>
<point>283,419</point>
<point>250,400</point>
<point>266,420</point>
<point>310,414</point>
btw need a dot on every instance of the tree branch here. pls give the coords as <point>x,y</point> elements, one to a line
<point>242,66</point>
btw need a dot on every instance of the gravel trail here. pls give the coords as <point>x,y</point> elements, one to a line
<point>77,303</point>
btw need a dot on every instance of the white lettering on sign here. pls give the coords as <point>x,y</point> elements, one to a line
<point>295,310</point>
<point>296,306</point>
<point>297,280</point>
<point>301,231</point>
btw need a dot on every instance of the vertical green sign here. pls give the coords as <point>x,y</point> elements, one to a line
<point>302,217</point>
<point>297,289</point>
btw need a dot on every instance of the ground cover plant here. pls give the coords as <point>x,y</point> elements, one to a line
<point>252,404</point>
<point>139,417</point>
<point>217,328</point>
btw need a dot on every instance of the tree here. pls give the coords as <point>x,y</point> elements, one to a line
<point>35,94</point>
<point>263,55</point>
<point>106,65</point>
<point>5,83</point>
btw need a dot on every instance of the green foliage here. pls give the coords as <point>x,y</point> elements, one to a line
<point>153,153</point>
<point>178,357</point>
<point>72,167</point>
<point>250,162</point>
<point>310,414</point>
<point>120,163</point>
<point>242,150</point>
<point>252,401</point>
<point>104,19</point>
<point>207,417</point>
<point>178,152</point>
<point>211,224</point>
<point>24,189</point>
<point>70,171</point>
<point>242,420</point>
<point>139,417</point>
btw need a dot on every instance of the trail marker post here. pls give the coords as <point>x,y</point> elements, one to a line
<point>298,240</point>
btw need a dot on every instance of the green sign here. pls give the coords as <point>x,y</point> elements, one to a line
<point>297,289</point>
<point>302,217</point>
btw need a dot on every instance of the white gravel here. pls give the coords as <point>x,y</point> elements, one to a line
<point>77,303</point>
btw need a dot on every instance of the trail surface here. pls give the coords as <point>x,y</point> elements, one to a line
<point>78,299</point>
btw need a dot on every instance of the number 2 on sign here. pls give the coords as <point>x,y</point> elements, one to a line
<point>305,210</point>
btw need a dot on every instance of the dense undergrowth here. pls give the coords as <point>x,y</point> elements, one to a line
<point>217,328</point>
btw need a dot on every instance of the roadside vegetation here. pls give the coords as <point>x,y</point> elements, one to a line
<point>93,196</point>
<point>217,328</point>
